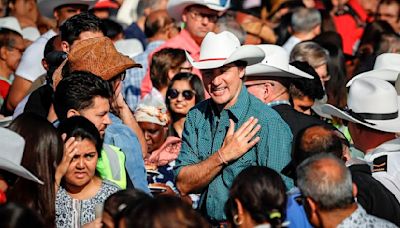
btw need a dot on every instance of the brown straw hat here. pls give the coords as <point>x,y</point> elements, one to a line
<point>98,56</point>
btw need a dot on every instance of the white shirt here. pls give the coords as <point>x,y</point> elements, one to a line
<point>30,67</point>
<point>290,43</point>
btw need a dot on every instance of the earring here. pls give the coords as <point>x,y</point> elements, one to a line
<point>236,220</point>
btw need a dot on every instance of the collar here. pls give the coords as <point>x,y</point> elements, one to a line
<point>391,145</point>
<point>274,103</point>
<point>238,110</point>
<point>154,44</point>
<point>188,38</point>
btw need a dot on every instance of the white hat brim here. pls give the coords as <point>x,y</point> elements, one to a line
<point>248,53</point>
<point>392,125</point>
<point>263,69</point>
<point>175,8</point>
<point>18,170</point>
<point>46,7</point>
<point>384,74</point>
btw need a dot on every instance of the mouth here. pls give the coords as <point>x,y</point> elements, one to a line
<point>218,91</point>
<point>80,175</point>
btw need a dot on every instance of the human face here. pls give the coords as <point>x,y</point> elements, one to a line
<point>98,114</point>
<point>223,84</point>
<point>82,168</point>
<point>14,53</point>
<point>199,21</point>
<point>323,74</point>
<point>185,67</point>
<point>66,11</point>
<point>154,135</point>
<point>180,105</point>
<point>256,87</point>
<point>303,104</point>
<point>390,14</point>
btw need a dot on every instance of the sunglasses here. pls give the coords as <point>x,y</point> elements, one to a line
<point>187,94</point>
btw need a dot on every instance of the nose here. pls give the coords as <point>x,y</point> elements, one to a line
<point>146,135</point>
<point>107,120</point>
<point>80,164</point>
<point>180,97</point>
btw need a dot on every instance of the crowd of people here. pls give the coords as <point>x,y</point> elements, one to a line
<point>199,113</point>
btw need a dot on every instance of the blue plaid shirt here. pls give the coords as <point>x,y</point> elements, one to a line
<point>204,133</point>
<point>134,76</point>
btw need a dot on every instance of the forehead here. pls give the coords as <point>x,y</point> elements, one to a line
<point>149,126</point>
<point>181,84</point>
<point>99,104</point>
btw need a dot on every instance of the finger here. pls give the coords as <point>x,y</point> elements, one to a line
<point>231,129</point>
<point>252,133</point>
<point>249,127</point>
<point>244,125</point>
<point>252,143</point>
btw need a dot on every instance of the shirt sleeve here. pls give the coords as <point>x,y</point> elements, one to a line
<point>30,67</point>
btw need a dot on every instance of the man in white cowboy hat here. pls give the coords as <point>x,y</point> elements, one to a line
<point>270,80</point>
<point>200,17</point>
<point>30,67</point>
<point>11,152</point>
<point>229,131</point>
<point>386,67</point>
<point>373,116</point>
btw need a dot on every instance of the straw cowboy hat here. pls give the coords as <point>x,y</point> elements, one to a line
<point>11,152</point>
<point>223,48</point>
<point>175,8</point>
<point>11,23</point>
<point>46,7</point>
<point>371,102</point>
<point>276,64</point>
<point>386,67</point>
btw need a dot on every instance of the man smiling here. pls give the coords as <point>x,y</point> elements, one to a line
<point>230,131</point>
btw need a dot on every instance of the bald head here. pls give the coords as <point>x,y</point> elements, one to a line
<point>326,180</point>
<point>158,23</point>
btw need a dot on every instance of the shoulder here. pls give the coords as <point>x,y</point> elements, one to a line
<point>107,188</point>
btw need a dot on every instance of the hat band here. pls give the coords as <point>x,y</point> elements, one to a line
<point>371,116</point>
<point>211,59</point>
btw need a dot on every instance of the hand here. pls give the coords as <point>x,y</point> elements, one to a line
<point>95,224</point>
<point>238,143</point>
<point>168,191</point>
<point>69,152</point>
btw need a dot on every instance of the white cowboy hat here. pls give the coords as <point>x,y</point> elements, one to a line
<point>130,47</point>
<point>275,63</point>
<point>11,23</point>
<point>386,67</point>
<point>175,8</point>
<point>11,152</point>
<point>371,102</point>
<point>223,48</point>
<point>46,7</point>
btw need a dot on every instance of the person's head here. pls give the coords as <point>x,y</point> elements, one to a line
<point>117,202</point>
<point>314,55</point>
<point>61,10</point>
<point>112,29</point>
<point>165,64</point>
<point>222,64</point>
<point>306,21</point>
<point>82,168</point>
<point>11,49</point>
<point>85,94</point>
<point>326,184</point>
<point>145,7</point>
<point>53,57</point>
<point>163,211</point>
<point>80,27</point>
<point>43,148</point>
<point>319,139</point>
<point>303,91</point>
<point>159,25</point>
<point>268,89</point>
<point>184,91</point>
<point>151,115</point>
<point>228,23</point>
<point>389,11</point>
<point>18,216</point>
<point>257,196</point>
<point>24,10</point>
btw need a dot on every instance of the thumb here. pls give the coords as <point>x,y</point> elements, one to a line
<point>231,129</point>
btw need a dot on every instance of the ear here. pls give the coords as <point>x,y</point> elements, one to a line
<point>242,71</point>
<point>317,30</point>
<point>3,53</point>
<point>268,92</point>
<point>55,14</point>
<point>184,16</point>
<point>45,64</point>
<point>65,46</point>
<point>72,112</point>
<point>239,207</point>
<point>355,190</point>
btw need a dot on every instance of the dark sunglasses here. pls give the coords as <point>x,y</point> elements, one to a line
<point>187,94</point>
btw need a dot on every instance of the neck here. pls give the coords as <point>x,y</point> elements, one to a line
<point>86,191</point>
<point>304,36</point>
<point>4,70</point>
<point>178,125</point>
<point>331,219</point>
<point>376,140</point>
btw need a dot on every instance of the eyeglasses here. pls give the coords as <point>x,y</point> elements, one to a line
<point>213,18</point>
<point>20,50</point>
<point>187,94</point>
